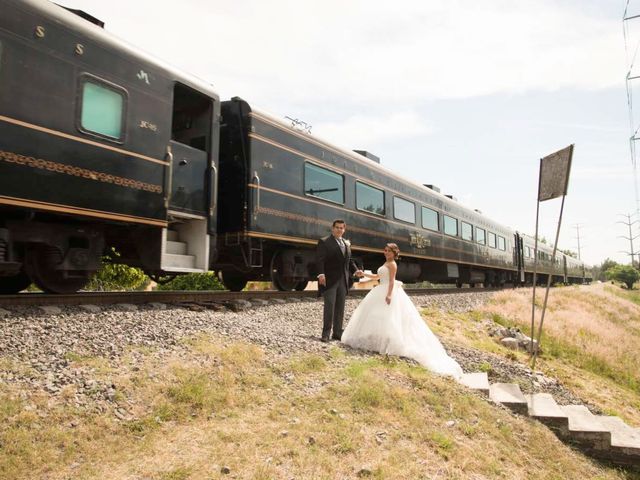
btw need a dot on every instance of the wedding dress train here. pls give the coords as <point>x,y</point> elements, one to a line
<point>397,329</point>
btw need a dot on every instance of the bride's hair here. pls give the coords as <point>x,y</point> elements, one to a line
<point>394,248</point>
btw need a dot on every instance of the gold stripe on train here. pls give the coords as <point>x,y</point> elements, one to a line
<point>75,138</point>
<point>54,207</point>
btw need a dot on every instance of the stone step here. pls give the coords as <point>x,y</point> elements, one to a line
<point>585,428</point>
<point>509,395</point>
<point>172,235</point>
<point>476,381</point>
<point>176,248</point>
<point>178,261</point>
<point>544,408</point>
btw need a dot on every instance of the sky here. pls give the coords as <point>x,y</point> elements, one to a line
<point>467,95</point>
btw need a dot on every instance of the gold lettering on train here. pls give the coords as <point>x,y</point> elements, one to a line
<point>39,31</point>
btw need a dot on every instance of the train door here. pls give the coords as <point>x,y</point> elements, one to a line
<point>190,182</point>
<point>191,148</point>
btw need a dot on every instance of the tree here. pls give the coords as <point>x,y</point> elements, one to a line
<point>623,273</point>
<point>570,253</point>
<point>599,270</point>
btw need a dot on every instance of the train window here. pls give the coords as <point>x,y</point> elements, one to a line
<point>404,210</point>
<point>466,231</point>
<point>502,244</point>
<point>492,240</point>
<point>322,183</point>
<point>430,219</point>
<point>102,109</point>
<point>481,236</point>
<point>369,199</point>
<point>450,226</point>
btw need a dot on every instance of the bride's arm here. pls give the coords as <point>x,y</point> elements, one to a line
<point>393,268</point>
<point>372,276</point>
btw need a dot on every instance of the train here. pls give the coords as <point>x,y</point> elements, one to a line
<point>104,148</point>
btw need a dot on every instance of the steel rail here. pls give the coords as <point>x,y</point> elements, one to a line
<point>111,298</point>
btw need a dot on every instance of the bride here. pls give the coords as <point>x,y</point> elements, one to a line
<point>386,321</point>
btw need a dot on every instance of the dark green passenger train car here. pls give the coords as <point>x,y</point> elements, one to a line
<point>294,184</point>
<point>101,147</point>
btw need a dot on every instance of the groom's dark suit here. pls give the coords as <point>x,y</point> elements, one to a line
<point>337,268</point>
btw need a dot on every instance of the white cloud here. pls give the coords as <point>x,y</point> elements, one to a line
<point>369,50</point>
<point>362,130</point>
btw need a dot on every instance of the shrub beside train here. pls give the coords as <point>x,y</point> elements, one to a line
<point>102,147</point>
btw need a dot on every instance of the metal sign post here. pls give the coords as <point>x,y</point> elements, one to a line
<point>552,183</point>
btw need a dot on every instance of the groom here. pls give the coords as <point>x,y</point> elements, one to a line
<point>333,261</point>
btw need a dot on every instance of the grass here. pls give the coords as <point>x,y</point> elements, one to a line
<point>312,416</point>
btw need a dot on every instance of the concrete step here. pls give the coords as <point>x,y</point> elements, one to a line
<point>509,395</point>
<point>176,248</point>
<point>586,429</point>
<point>544,408</point>
<point>624,438</point>
<point>476,381</point>
<point>178,261</point>
<point>172,235</point>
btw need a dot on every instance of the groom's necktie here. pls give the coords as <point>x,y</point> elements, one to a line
<point>341,244</point>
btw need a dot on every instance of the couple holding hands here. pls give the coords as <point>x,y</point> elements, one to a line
<point>385,321</point>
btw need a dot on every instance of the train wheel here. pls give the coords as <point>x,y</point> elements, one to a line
<point>458,284</point>
<point>300,286</point>
<point>14,284</point>
<point>280,281</point>
<point>234,281</point>
<point>40,265</point>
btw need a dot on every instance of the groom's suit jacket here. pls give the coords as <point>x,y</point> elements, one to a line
<point>330,261</point>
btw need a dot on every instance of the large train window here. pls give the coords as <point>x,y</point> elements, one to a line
<point>322,183</point>
<point>404,210</point>
<point>492,240</point>
<point>102,108</point>
<point>481,236</point>
<point>450,226</point>
<point>466,231</point>
<point>430,219</point>
<point>502,244</point>
<point>369,199</point>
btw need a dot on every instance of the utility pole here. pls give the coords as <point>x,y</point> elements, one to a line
<point>631,237</point>
<point>577,227</point>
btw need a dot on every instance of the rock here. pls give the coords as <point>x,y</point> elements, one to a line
<point>90,308</point>
<point>364,472</point>
<point>50,309</point>
<point>510,343</point>
<point>225,470</point>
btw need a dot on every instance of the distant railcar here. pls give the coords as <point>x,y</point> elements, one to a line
<point>105,148</point>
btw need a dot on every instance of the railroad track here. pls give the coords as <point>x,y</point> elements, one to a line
<point>198,297</point>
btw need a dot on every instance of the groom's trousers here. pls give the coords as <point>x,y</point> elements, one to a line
<point>334,298</point>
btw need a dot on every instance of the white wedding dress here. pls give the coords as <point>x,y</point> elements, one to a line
<point>396,329</point>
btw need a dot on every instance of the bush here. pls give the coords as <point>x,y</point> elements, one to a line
<point>623,273</point>
<point>116,276</point>
<point>193,281</point>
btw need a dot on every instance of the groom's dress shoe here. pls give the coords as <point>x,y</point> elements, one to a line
<point>337,336</point>
<point>324,339</point>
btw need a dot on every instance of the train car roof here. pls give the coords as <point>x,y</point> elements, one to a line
<point>376,166</point>
<point>86,28</point>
